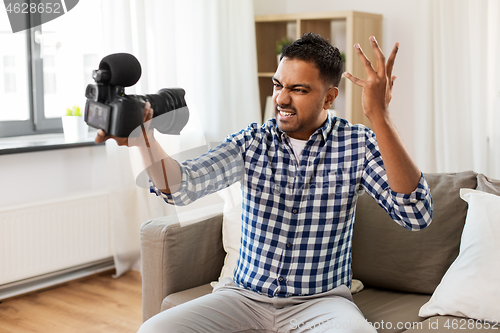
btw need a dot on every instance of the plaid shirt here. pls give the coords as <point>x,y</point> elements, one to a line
<point>298,217</point>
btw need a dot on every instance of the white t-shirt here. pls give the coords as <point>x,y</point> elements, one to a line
<point>298,146</point>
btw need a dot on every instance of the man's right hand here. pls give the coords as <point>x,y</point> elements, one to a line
<point>103,136</point>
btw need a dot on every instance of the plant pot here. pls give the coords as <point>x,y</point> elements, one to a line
<point>75,129</point>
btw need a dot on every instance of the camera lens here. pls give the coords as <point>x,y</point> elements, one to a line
<point>165,101</point>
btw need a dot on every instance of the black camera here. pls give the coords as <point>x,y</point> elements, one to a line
<point>110,109</point>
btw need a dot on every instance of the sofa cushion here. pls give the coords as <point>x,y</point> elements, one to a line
<point>231,228</point>
<point>488,185</point>
<point>388,256</point>
<point>390,311</point>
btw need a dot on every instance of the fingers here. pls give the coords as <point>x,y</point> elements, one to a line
<point>148,112</point>
<point>392,58</point>
<point>357,81</point>
<point>364,60</point>
<point>380,56</point>
<point>101,136</point>
<point>383,69</point>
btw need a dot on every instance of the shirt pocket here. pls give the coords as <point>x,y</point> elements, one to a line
<point>260,179</point>
<point>334,194</point>
<point>347,183</point>
<point>321,193</point>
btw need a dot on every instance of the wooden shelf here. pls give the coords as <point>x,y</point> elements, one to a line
<point>343,29</point>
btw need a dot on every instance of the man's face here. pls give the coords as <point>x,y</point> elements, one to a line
<point>301,98</point>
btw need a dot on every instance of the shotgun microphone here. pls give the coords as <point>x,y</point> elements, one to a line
<point>118,69</point>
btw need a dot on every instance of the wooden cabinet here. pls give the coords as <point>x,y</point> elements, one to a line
<point>342,29</point>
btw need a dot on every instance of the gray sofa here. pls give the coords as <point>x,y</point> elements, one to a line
<point>400,269</point>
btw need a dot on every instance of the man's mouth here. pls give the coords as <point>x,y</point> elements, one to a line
<point>285,114</point>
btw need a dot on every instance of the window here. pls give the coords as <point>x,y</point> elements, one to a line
<point>46,69</point>
<point>14,92</point>
<point>9,70</point>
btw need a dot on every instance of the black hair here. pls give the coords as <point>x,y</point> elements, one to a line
<point>314,48</point>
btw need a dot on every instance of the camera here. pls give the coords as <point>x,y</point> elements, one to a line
<point>110,109</point>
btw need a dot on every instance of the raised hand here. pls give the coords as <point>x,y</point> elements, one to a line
<point>402,172</point>
<point>377,87</point>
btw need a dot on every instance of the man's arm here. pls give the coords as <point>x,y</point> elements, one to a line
<point>402,172</point>
<point>163,170</point>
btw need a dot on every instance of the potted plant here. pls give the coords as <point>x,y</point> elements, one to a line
<point>74,127</point>
<point>280,44</point>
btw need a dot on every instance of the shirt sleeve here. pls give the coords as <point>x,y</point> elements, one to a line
<point>219,168</point>
<point>412,211</point>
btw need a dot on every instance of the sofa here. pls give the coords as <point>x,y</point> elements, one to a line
<point>400,270</point>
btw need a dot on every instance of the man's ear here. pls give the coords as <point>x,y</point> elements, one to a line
<point>330,96</point>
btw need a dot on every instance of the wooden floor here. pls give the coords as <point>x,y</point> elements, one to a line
<point>96,304</point>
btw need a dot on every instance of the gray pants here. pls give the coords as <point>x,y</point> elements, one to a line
<point>230,308</point>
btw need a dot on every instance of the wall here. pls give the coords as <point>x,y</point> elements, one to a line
<point>398,26</point>
<point>50,175</point>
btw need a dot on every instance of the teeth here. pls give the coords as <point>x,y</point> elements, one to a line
<point>286,114</point>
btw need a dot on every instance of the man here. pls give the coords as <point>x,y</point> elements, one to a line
<point>301,174</point>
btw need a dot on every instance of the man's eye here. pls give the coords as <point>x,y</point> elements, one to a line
<point>276,85</point>
<point>302,91</point>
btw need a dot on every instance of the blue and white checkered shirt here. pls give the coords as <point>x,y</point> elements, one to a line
<point>298,217</point>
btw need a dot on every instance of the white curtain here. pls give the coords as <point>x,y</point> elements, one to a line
<point>206,47</point>
<point>458,86</point>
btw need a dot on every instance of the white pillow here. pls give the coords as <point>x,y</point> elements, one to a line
<point>231,233</point>
<point>231,228</point>
<point>470,288</point>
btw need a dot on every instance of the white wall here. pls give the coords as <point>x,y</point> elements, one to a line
<point>54,174</point>
<point>399,26</point>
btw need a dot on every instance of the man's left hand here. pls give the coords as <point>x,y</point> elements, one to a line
<point>377,87</point>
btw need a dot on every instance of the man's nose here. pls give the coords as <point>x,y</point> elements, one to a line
<point>283,97</point>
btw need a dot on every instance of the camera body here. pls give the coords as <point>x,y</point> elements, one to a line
<point>110,109</point>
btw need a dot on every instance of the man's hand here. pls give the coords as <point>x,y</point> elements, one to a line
<point>377,87</point>
<point>102,136</point>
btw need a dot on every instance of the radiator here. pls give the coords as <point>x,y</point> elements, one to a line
<point>46,237</point>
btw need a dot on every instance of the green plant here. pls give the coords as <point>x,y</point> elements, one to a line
<point>281,43</point>
<point>74,111</point>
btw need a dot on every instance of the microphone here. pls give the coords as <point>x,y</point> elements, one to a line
<point>119,69</point>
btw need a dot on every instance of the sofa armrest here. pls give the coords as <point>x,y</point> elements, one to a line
<point>178,256</point>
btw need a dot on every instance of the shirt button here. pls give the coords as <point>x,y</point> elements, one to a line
<point>294,211</point>
<point>280,279</point>
<point>288,245</point>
